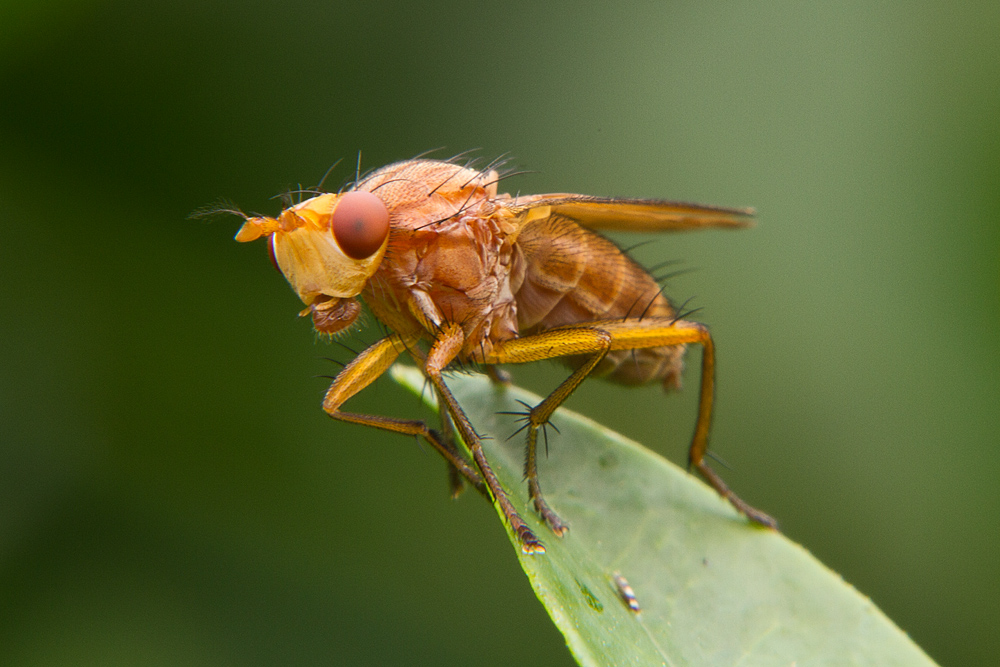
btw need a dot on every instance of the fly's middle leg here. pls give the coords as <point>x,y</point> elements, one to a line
<point>596,339</point>
<point>584,340</point>
<point>539,417</point>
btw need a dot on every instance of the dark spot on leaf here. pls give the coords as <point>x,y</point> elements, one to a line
<point>591,599</point>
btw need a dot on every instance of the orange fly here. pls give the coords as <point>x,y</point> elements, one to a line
<point>446,262</point>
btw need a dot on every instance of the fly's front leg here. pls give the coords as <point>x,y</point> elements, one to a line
<point>456,483</point>
<point>444,350</point>
<point>364,370</point>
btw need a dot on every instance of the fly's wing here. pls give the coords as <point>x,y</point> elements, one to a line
<point>567,273</point>
<point>634,215</point>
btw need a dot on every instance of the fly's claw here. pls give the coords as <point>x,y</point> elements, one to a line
<point>760,518</point>
<point>529,543</point>
<point>551,518</point>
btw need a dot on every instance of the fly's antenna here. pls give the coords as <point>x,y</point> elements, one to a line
<point>219,207</point>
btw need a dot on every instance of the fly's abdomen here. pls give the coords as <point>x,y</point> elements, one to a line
<point>573,276</point>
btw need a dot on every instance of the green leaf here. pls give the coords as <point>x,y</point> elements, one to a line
<point>713,590</point>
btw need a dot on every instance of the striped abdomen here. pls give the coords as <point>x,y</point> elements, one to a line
<point>566,275</point>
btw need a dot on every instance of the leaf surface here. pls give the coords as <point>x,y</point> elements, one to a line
<point>713,589</point>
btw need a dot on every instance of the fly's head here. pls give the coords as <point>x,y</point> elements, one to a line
<point>327,248</point>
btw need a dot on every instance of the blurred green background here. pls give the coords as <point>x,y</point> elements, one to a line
<point>171,491</point>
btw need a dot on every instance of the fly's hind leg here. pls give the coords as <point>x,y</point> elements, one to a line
<point>699,443</point>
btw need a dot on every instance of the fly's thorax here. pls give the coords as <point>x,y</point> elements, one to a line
<point>414,188</point>
<point>454,270</point>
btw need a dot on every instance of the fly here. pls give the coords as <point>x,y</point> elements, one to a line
<point>461,273</point>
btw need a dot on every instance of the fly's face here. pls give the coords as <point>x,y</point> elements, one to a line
<point>327,248</point>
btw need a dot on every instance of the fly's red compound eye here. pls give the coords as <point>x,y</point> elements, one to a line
<point>360,224</point>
